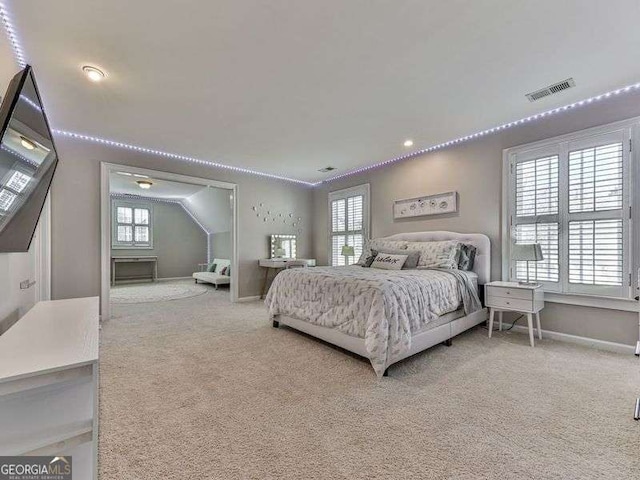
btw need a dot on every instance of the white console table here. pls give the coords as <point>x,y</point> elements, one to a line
<point>276,264</point>
<point>49,384</point>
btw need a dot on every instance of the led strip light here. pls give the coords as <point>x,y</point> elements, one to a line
<point>177,156</point>
<point>20,156</point>
<point>11,34</point>
<point>489,131</point>
<point>20,59</point>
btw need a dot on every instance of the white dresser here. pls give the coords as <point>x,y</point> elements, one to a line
<point>49,384</point>
<point>515,297</point>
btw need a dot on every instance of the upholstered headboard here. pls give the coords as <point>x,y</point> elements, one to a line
<point>482,264</point>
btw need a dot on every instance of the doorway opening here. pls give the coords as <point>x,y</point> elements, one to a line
<point>165,236</point>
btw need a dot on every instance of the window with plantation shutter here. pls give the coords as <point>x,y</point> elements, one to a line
<point>349,223</point>
<point>131,225</point>
<point>572,196</point>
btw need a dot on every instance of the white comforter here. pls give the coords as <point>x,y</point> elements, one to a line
<point>383,307</point>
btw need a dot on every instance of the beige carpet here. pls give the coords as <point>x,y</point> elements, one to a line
<point>157,291</point>
<point>201,389</point>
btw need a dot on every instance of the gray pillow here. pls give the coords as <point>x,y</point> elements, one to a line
<point>369,260</point>
<point>467,256</point>
<point>413,256</point>
<point>212,268</point>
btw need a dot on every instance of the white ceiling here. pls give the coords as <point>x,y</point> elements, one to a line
<point>289,87</point>
<point>126,184</point>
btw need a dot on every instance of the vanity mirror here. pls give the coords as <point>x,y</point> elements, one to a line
<point>283,246</point>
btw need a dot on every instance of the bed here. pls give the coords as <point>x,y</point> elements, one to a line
<point>384,316</point>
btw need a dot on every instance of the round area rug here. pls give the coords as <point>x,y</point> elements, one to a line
<point>156,292</point>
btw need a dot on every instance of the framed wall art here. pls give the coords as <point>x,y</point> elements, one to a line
<point>427,205</point>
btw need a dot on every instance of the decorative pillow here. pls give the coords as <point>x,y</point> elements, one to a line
<point>467,257</point>
<point>387,261</point>
<point>212,268</point>
<point>377,244</point>
<point>413,256</point>
<point>369,260</point>
<point>228,272</point>
<point>440,254</point>
<point>223,271</point>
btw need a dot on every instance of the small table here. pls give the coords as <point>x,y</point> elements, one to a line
<point>279,264</point>
<point>515,297</point>
<point>134,259</point>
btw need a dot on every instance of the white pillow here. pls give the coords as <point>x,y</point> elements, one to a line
<point>442,254</point>
<point>380,244</point>
<point>387,261</point>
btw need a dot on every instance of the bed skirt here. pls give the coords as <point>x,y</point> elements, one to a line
<point>419,342</point>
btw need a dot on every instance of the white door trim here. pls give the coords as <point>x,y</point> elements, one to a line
<point>105,224</point>
<point>42,253</point>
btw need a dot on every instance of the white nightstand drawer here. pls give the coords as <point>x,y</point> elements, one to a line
<point>524,294</point>
<point>510,303</point>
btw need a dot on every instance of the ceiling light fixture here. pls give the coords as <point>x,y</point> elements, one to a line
<point>144,184</point>
<point>408,143</point>
<point>94,74</point>
<point>26,143</point>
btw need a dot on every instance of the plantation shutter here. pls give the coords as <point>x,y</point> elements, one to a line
<point>596,216</point>
<point>349,212</point>
<point>572,196</point>
<point>536,218</point>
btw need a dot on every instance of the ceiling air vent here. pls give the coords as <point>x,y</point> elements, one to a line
<point>327,169</point>
<point>551,89</point>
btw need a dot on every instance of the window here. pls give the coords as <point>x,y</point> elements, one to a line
<point>572,196</point>
<point>11,187</point>
<point>348,223</point>
<point>131,225</point>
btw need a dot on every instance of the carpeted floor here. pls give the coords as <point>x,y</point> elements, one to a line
<point>157,291</point>
<point>200,388</point>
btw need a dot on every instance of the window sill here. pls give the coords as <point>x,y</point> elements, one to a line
<point>610,303</point>
<point>130,247</point>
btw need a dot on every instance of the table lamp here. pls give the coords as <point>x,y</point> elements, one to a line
<point>528,252</point>
<point>347,251</point>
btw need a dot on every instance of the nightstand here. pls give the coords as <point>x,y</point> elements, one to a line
<point>514,297</point>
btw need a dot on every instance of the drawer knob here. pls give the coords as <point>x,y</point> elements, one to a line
<point>508,292</point>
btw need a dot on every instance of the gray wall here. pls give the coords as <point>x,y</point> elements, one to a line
<point>178,242</point>
<point>474,169</point>
<point>76,214</point>
<point>220,245</point>
<point>212,207</point>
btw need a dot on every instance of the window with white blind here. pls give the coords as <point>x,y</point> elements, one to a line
<point>572,196</point>
<point>348,223</point>
<point>131,225</point>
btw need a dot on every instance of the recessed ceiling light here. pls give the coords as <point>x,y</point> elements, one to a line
<point>94,74</point>
<point>144,184</point>
<point>408,143</point>
<point>28,144</point>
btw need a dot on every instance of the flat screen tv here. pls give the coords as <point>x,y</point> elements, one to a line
<point>28,160</point>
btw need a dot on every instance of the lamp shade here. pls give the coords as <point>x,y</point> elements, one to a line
<point>348,251</point>
<point>527,251</point>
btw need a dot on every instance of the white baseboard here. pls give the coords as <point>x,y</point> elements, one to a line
<point>252,298</point>
<point>584,341</point>
<point>168,279</point>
